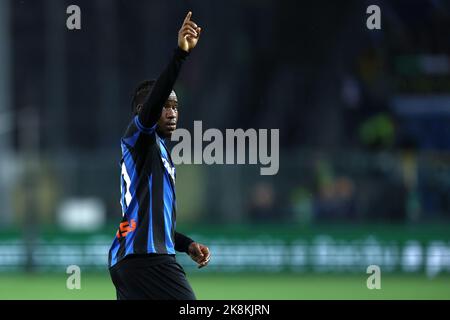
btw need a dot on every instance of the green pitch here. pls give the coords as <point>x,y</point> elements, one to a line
<point>238,286</point>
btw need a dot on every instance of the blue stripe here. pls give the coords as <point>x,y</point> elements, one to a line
<point>150,244</point>
<point>142,127</point>
<point>168,199</point>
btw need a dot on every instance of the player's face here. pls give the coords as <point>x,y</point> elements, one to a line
<point>169,116</point>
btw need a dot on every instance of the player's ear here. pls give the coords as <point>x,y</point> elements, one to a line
<point>138,108</point>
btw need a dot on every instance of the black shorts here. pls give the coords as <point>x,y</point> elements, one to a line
<point>150,277</point>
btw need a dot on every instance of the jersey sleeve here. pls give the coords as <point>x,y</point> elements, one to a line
<point>142,128</point>
<point>134,130</point>
<point>182,242</point>
<point>154,102</point>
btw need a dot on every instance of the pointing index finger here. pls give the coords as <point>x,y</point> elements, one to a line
<point>188,17</point>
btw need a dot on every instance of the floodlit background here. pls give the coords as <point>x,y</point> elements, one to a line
<point>364,118</point>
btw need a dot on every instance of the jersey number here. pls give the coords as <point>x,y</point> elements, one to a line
<point>127,180</point>
<point>125,228</point>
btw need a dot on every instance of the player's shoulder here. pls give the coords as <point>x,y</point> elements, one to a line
<point>131,128</point>
<point>134,132</point>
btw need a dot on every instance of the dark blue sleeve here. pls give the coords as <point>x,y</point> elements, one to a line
<point>182,242</point>
<point>154,103</point>
<point>134,130</point>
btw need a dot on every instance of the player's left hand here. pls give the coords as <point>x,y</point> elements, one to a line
<point>199,253</point>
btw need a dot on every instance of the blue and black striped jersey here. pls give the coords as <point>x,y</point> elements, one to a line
<point>148,181</point>
<point>147,195</point>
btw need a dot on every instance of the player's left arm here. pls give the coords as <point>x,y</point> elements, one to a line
<point>197,251</point>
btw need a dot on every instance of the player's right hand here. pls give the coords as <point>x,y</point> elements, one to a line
<point>189,34</point>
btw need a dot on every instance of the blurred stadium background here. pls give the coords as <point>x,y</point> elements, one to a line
<point>364,121</point>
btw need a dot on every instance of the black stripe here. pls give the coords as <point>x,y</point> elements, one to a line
<point>157,192</point>
<point>109,257</point>
<point>121,251</point>
<point>174,217</point>
<point>141,161</point>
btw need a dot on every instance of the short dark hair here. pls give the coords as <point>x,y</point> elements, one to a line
<point>140,93</point>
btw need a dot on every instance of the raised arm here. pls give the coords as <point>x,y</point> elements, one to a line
<point>150,110</point>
